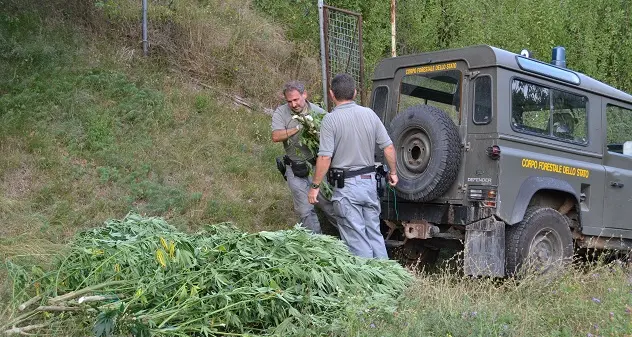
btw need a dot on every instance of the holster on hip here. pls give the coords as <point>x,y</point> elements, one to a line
<point>281,166</point>
<point>299,168</point>
<point>336,177</point>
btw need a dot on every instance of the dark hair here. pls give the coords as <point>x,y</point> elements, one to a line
<point>294,85</point>
<point>343,87</point>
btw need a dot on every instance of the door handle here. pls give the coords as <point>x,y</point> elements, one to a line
<point>616,184</point>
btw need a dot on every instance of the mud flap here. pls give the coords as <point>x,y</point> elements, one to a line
<point>485,248</point>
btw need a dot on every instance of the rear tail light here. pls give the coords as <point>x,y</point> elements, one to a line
<point>476,194</point>
<point>485,195</point>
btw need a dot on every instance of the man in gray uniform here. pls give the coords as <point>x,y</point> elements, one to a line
<point>287,130</point>
<point>348,135</point>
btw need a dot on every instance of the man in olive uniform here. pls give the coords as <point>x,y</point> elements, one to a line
<point>348,136</point>
<point>287,130</point>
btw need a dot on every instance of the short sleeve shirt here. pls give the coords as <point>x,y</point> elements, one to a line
<point>281,120</point>
<point>349,133</point>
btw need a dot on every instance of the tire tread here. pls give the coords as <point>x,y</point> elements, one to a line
<point>450,159</point>
<point>515,236</point>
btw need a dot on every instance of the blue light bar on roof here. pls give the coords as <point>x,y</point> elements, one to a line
<point>548,70</point>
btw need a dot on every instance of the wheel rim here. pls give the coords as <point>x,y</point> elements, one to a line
<point>546,250</point>
<point>414,152</point>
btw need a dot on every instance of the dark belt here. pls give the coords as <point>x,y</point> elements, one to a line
<point>289,161</point>
<point>364,170</point>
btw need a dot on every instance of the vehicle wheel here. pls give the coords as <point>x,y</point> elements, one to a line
<point>540,243</point>
<point>428,150</point>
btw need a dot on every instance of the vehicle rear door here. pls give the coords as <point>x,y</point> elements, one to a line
<point>617,215</point>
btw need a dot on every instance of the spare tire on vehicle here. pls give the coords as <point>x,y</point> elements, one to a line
<point>428,150</point>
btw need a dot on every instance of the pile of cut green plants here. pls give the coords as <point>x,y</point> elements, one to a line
<point>140,276</point>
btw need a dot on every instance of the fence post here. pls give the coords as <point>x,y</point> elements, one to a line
<point>393,28</point>
<point>145,47</point>
<point>323,59</point>
<point>362,87</point>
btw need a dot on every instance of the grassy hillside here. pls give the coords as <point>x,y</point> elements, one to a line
<point>90,130</point>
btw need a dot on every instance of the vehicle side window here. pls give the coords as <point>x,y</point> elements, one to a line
<point>482,100</point>
<point>380,100</point>
<point>441,89</point>
<point>548,112</point>
<point>619,121</point>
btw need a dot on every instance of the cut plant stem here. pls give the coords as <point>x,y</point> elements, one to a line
<point>24,330</point>
<point>77,293</point>
<point>29,303</point>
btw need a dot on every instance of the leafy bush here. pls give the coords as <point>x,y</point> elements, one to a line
<point>141,276</point>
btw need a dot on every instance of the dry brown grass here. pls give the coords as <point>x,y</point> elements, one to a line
<point>225,43</point>
<point>581,301</point>
<point>237,47</point>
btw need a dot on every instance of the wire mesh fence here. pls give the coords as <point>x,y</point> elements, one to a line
<point>343,46</point>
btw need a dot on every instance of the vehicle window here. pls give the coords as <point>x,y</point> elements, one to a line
<point>380,98</point>
<point>441,89</point>
<point>482,100</point>
<point>548,112</point>
<point>619,121</point>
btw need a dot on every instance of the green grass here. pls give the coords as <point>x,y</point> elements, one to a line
<point>582,302</point>
<point>85,138</point>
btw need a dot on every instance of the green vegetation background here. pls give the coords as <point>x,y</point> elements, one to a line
<point>597,34</point>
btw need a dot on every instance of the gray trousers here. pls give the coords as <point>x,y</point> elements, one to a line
<point>358,209</point>
<point>303,209</point>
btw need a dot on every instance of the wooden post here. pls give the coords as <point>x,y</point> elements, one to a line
<point>393,30</point>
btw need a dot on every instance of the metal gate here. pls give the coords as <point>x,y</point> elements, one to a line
<point>341,47</point>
